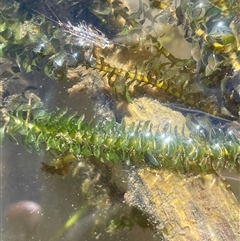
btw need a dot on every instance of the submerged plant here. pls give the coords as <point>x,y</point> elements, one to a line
<point>208,82</point>
<point>34,39</point>
<point>70,139</point>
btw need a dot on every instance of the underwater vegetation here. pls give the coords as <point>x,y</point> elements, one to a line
<point>70,139</point>
<point>208,81</point>
<point>131,58</point>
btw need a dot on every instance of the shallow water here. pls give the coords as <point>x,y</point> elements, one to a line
<point>30,197</point>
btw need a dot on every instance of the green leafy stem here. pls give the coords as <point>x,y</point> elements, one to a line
<point>71,139</point>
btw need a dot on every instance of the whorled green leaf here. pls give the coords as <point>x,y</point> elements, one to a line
<point>6,34</point>
<point>60,133</point>
<point>2,134</point>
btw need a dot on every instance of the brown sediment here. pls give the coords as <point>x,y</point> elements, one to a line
<point>186,207</point>
<point>183,207</point>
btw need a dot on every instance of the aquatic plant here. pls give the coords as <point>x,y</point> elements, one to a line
<point>208,81</point>
<point>30,41</point>
<point>213,32</point>
<point>71,139</point>
<point>39,38</point>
